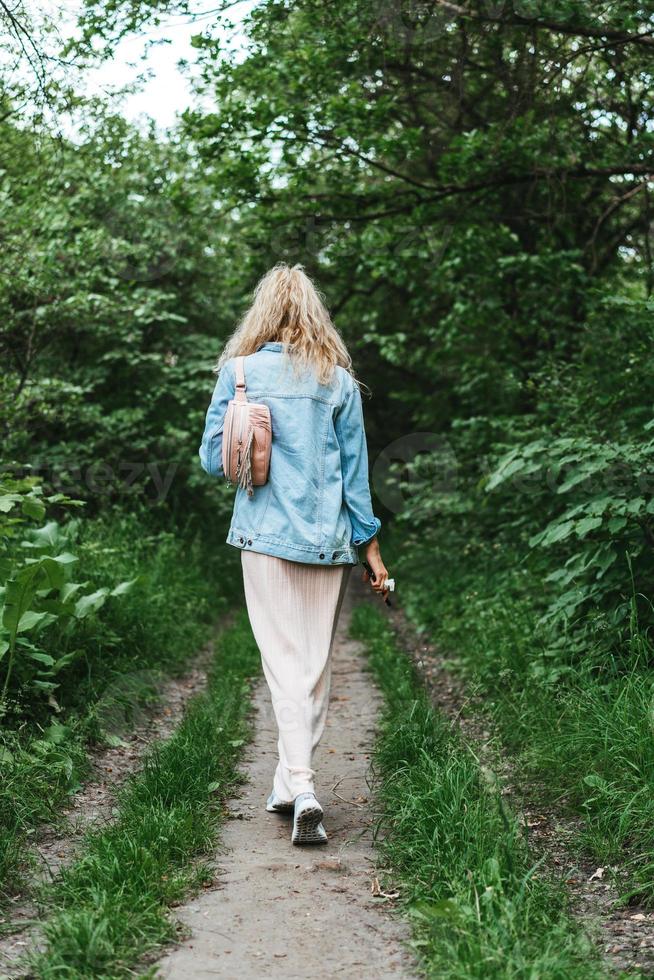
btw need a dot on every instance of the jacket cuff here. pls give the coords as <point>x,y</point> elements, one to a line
<point>364,533</point>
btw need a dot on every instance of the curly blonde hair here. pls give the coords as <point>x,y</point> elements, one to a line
<point>287,307</point>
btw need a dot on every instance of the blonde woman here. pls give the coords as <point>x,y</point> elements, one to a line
<point>298,533</point>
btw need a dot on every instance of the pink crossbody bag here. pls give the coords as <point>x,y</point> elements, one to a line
<point>247,438</point>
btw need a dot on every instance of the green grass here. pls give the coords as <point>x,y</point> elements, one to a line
<point>112,905</point>
<point>480,904</point>
<point>579,726</point>
<point>184,584</point>
<point>148,633</point>
<point>32,789</point>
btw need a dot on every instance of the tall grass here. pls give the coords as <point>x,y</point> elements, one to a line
<point>111,905</point>
<point>183,585</point>
<point>480,904</point>
<point>580,724</point>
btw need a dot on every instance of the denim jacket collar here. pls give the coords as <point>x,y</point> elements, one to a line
<point>271,345</point>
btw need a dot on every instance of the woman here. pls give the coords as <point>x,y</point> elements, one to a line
<point>299,532</point>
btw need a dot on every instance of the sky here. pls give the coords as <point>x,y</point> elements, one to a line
<point>166,91</point>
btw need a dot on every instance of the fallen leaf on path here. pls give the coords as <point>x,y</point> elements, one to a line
<point>597,875</point>
<point>638,917</point>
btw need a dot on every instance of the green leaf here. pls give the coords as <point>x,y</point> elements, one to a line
<point>604,559</point>
<point>64,559</point>
<point>67,659</point>
<point>56,733</point>
<point>90,603</point>
<point>503,472</point>
<point>46,537</point>
<point>19,593</point>
<point>616,524</point>
<point>575,479</point>
<point>30,619</point>
<point>588,524</point>
<point>8,501</point>
<point>69,589</point>
<point>41,657</point>
<point>554,533</point>
<point>32,507</point>
<point>596,782</point>
<point>124,587</point>
<point>46,686</point>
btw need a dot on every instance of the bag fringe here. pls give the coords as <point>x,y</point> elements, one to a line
<point>244,467</point>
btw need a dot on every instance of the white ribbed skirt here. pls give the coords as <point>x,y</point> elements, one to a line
<point>293,609</point>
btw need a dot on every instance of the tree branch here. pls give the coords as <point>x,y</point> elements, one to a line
<point>575,30</point>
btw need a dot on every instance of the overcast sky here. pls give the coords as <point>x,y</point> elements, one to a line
<point>167,91</point>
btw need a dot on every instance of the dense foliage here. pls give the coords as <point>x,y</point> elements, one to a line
<point>471,186</point>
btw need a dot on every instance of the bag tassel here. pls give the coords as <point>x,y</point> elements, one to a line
<point>244,469</point>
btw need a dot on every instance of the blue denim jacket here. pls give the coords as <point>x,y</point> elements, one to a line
<point>316,505</point>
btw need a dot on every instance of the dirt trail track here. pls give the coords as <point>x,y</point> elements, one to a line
<point>291,912</point>
<point>56,845</point>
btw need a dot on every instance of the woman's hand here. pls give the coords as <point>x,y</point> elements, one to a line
<point>379,571</point>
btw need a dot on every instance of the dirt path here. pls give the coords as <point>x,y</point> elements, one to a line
<point>291,912</point>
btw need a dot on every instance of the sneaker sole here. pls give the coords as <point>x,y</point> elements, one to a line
<point>307,828</point>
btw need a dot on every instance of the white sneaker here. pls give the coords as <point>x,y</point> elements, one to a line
<point>275,805</point>
<point>307,821</point>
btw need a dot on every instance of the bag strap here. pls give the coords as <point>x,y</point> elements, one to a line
<point>240,379</point>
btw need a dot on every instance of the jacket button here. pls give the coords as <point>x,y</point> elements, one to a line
<point>242,540</point>
<point>249,541</point>
<point>334,555</point>
<point>321,555</point>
